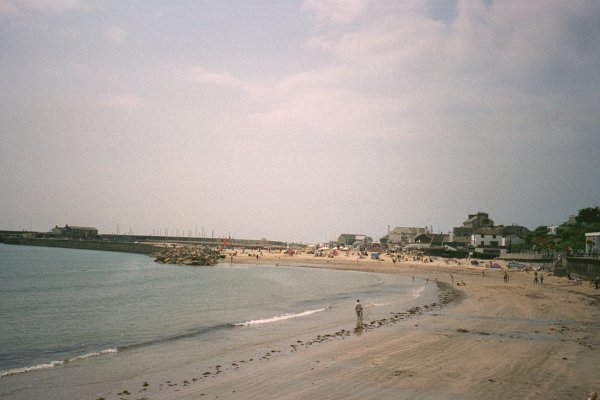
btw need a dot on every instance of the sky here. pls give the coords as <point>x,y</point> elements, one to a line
<point>296,120</point>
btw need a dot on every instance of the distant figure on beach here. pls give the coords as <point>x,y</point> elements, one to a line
<point>541,279</point>
<point>452,277</point>
<point>505,277</point>
<point>359,310</point>
<point>597,282</point>
<point>535,278</point>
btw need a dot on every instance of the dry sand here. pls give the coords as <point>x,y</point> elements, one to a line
<point>499,340</point>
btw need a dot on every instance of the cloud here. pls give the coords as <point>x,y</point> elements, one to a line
<point>337,11</point>
<point>13,7</point>
<point>483,71</point>
<point>324,102</point>
<point>488,68</point>
<point>125,102</point>
<point>8,8</point>
<point>200,74</point>
<point>116,35</point>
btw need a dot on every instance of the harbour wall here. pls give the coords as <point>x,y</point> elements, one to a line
<point>585,268</point>
<point>123,247</point>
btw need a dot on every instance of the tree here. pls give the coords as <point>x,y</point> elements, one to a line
<point>588,215</point>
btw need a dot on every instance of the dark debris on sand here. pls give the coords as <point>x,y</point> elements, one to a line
<point>447,295</point>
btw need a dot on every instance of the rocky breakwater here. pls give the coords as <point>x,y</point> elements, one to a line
<point>187,255</point>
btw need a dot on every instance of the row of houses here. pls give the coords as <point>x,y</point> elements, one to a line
<point>478,233</point>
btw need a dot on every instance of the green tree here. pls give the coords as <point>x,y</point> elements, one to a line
<point>588,215</point>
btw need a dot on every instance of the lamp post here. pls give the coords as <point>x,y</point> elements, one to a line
<point>510,236</point>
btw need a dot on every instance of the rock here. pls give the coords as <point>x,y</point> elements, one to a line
<point>187,255</point>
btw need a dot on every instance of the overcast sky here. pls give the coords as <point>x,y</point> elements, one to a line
<point>297,120</point>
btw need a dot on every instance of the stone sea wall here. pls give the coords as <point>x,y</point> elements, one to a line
<point>585,268</point>
<point>124,247</point>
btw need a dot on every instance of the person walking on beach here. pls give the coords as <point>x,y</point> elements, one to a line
<point>505,277</point>
<point>359,310</point>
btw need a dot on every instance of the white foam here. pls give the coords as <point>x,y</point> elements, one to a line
<point>53,364</point>
<point>28,369</point>
<point>280,317</point>
<point>94,354</point>
<point>417,292</point>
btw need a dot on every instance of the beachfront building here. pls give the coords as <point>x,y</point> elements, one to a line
<point>75,232</point>
<point>592,242</point>
<point>405,235</point>
<point>354,240</point>
<point>486,241</point>
<point>486,237</point>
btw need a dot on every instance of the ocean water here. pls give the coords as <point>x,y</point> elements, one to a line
<point>74,323</point>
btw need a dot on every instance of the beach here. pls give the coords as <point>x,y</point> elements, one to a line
<point>491,339</point>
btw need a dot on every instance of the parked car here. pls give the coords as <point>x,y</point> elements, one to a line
<point>515,265</point>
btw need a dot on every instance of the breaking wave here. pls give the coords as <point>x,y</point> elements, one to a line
<point>53,364</point>
<point>280,317</point>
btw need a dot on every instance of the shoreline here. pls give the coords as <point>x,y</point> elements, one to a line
<point>498,340</point>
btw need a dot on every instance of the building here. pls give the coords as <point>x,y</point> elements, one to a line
<point>474,223</point>
<point>354,240</point>
<point>486,237</point>
<point>592,242</point>
<point>75,232</point>
<point>405,235</point>
<point>449,240</point>
<point>487,242</point>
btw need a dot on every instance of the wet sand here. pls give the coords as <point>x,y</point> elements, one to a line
<point>496,340</point>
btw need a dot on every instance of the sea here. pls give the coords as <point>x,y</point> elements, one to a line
<point>77,323</point>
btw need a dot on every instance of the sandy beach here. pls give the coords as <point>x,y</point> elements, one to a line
<point>495,340</point>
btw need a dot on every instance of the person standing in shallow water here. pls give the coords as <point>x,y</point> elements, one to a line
<point>359,310</point>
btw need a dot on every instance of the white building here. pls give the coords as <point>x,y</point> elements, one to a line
<point>592,242</point>
<point>486,238</point>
